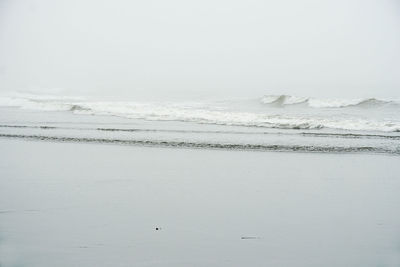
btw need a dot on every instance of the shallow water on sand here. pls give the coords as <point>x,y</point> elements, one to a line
<point>77,204</point>
<point>63,126</point>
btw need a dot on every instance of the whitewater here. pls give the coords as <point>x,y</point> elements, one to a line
<point>270,122</point>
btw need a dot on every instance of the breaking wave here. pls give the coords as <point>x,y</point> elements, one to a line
<point>288,100</point>
<point>212,114</point>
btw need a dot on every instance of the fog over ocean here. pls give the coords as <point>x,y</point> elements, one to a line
<point>161,50</point>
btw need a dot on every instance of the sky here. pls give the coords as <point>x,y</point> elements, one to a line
<point>191,49</point>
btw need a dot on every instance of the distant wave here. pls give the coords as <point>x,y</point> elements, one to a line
<point>208,145</point>
<point>288,100</point>
<point>211,114</point>
<point>281,100</point>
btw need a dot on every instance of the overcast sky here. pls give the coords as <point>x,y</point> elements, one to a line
<point>338,48</point>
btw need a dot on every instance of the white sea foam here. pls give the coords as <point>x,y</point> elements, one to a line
<point>207,113</point>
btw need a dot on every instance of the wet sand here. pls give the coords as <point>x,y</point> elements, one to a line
<point>74,204</point>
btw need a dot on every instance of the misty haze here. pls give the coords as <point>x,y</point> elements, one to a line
<point>208,133</point>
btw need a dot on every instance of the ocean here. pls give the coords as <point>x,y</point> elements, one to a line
<point>269,181</point>
<point>267,123</point>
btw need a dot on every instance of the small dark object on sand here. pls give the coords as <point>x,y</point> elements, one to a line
<point>158,228</point>
<point>249,237</point>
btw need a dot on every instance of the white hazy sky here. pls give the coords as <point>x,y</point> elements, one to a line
<point>337,48</point>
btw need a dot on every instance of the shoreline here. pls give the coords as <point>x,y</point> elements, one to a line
<point>212,146</point>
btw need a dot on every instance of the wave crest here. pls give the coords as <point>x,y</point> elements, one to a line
<point>212,114</point>
<point>288,100</point>
<point>281,100</point>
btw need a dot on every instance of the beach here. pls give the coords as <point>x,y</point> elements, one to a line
<point>74,204</point>
<point>199,133</point>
